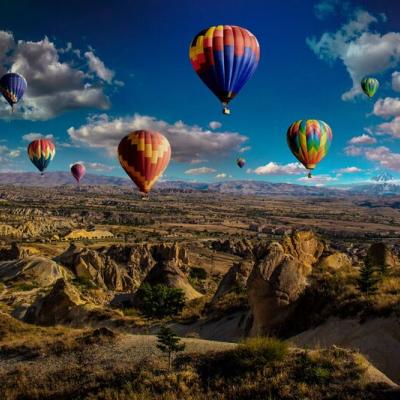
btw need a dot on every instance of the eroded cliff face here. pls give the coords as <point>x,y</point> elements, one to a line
<point>278,279</point>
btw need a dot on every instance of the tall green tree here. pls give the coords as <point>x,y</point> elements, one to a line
<point>367,281</point>
<point>169,343</point>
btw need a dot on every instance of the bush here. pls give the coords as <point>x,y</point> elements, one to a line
<point>84,283</point>
<point>160,301</point>
<point>198,273</point>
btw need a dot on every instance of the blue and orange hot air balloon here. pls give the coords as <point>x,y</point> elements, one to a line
<point>12,86</point>
<point>225,57</point>
<point>41,152</point>
<point>78,171</point>
<point>309,140</point>
<point>144,155</point>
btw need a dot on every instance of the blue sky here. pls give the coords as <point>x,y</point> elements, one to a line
<point>96,72</point>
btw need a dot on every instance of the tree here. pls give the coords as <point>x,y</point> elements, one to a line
<point>367,281</point>
<point>160,301</point>
<point>169,343</point>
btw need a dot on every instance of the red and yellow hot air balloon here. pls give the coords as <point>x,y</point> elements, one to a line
<point>144,155</point>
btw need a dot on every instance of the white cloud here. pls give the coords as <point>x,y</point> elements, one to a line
<point>55,84</point>
<point>221,176</point>
<point>352,150</point>
<point>244,149</point>
<point>97,66</point>
<point>95,166</point>
<point>200,171</point>
<point>272,168</point>
<point>14,153</point>
<point>396,81</point>
<point>349,170</point>
<point>384,157</point>
<point>188,142</point>
<point>325,8</point>
<point>388,107</point>
<point>362,139</point>
<point>33,136</point>
<point>318,180</point>
<point>215,125</point>
<point>391,128</point>
<point>361,51</point>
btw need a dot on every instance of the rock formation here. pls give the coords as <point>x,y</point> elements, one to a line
<point>14,252</point>
<point>278,279</point>
<point>381,257</point>
<point>38,270</point>
<point>335,261</point>
<point>235,279</point>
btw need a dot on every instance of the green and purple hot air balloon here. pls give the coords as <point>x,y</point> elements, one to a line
<point>369,86</point>
<point>13,87</point>
<point>309,140</point>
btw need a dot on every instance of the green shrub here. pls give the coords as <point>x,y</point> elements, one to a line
<point>198,273</point>
<point>84,283</point>
<point>160,301</point>
<point>25,286</point>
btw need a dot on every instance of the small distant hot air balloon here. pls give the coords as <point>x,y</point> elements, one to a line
<point>369,86</point>
<point>12,86</point>
<point>144,155</point>
<point>78,171</point>
<point>225,57</point>
<point>309,140</point>
<point>240,162</point>
<point>41,152</point>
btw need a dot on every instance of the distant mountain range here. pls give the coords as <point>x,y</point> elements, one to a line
<point>382,184</point>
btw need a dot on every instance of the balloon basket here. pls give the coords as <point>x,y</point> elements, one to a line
<point>309,176</point>
<point>226,111</point>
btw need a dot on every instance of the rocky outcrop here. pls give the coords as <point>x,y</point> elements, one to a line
<point>122,268</point>
<point>14,252</point>
<point>169,274</point>
<point>240,247</point>
<point>62,305</point>
<point>38,270</point>
<point>335,261</point>
<point>100,268</point>
<point>380,256</point>
<point>234,280</point>
<point>278,279</point>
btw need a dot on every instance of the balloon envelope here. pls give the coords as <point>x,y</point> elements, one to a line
<point>240,162</point>
<point>369,86</point>
<point>41,152</point>
<point>309,140</point>
<point>144,155</point>
<point>224,57</point>
<point>12,87</point>
<point>78,171</point>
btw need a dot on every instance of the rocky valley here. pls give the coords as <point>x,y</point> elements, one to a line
<point>292,296</point>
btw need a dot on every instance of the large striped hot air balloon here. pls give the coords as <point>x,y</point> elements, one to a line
<point>309,140</point>
<point>41,152</point>
<point>144,155</point>
<point>369,86</point>
<point>225,57</point>
<point>13,87</point>
<point>78,171</point>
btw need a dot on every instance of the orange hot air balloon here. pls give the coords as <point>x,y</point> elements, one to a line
<point>144,155</point>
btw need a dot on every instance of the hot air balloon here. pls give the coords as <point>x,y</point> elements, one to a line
<point>309,140</point>
<point>78,171</point>
<point>41,152</point>
<point>225,57</point>
<point>240,162</point>
<point>370,86</point>
<point>144,155</point>
<point>13,87</point>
